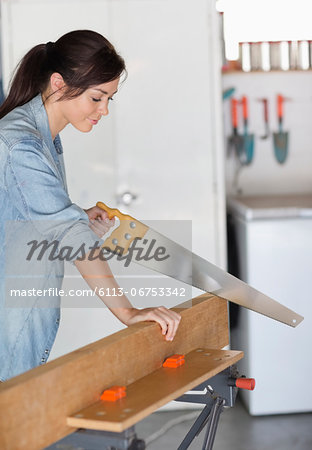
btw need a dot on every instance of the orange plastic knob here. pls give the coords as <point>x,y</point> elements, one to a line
<point>245,383</point>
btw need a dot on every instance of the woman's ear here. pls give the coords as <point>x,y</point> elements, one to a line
<point>56,82</point>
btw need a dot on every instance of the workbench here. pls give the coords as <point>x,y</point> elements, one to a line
<point>52,401</point>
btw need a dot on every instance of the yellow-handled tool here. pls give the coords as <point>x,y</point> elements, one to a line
<point>129,229</point>
<point>114,212</point>
<point>177,262</point>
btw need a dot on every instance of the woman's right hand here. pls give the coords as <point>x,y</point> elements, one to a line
<point>99,221</point>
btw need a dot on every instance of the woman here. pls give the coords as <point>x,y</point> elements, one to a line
<point>70,81</point>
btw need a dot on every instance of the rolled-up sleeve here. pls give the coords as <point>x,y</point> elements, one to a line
<point>37,191</point>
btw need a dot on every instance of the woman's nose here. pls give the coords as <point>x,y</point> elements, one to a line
<point>103,109</point>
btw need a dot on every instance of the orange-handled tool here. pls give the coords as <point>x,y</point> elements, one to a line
<point>236,141</point>
<point>234,107</point>
<point>281,137</point>
<point>129,229</point>
<point>266,118</point>
<point>246,155</point>
<point>266,109</point>
<point>280,101</point>
<point>114,212</point>
<point>245,107</point>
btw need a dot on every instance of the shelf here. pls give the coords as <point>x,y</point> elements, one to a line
<point>235,71</point>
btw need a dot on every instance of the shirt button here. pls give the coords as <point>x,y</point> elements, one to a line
<point>42,360</point>
<point>46,351</point>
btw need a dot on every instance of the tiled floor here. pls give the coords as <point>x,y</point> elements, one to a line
<point>237,430</point>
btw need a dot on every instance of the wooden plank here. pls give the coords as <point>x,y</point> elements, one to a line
<point>34,406</point>
<point>146,395</point>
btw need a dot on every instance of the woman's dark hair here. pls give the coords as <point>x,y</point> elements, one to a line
<point>84,58</point>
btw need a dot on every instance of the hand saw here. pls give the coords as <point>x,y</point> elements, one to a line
<point>190,268</point>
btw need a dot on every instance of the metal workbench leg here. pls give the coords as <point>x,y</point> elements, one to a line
<point>210,415</point>
<point>196,428</point>
<point>212,424</point>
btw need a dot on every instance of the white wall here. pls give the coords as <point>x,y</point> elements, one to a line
<point>265,175</point>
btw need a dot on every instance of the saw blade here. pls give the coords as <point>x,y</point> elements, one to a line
<point>181,264</point>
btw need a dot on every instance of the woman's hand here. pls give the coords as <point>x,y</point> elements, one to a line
<point>99,277</point>
<point>99,221</point>
<point>167,319</point>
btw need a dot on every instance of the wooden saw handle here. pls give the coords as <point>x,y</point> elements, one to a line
<point>129,229</point>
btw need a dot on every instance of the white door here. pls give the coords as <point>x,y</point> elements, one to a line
<point>165,117</point>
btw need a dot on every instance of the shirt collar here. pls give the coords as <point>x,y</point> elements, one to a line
<point>42,123</point>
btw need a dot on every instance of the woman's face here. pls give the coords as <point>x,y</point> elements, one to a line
<point>84,111</point>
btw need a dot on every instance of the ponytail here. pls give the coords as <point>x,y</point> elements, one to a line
<point>84,58</point>
<point>28,80</point>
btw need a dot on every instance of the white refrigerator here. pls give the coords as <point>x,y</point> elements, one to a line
<point>274,249</point>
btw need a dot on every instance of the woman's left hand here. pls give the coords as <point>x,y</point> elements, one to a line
<point>167,319</point>
<point>99,221</point>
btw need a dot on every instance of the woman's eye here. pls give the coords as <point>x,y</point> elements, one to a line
<point>96,99</point>
<point>110,98</point>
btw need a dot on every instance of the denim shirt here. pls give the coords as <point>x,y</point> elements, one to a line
<point>34,203</point>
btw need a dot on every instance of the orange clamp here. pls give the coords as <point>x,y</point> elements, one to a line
<point>174,361</point>
<point>113,393</point>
